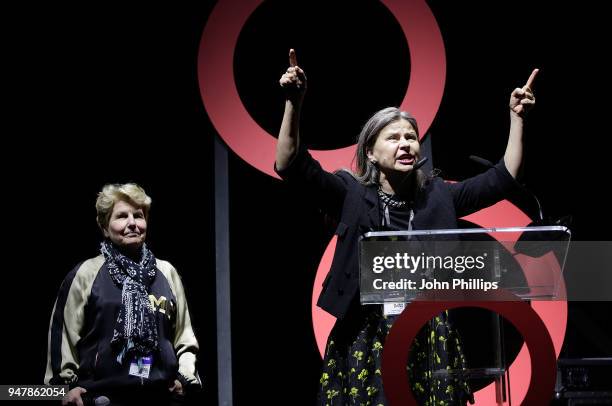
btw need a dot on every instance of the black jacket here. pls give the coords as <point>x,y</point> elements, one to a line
<point>355,208</point>
<point>82,326</point>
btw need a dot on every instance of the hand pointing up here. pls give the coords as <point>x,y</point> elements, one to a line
<point>522,98</point>
<point>294,80</point>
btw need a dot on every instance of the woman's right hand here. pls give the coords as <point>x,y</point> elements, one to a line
<point>294,80</point>
<point>74,397</point>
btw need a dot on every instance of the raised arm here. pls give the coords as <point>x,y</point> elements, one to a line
<point>294,83</point>
<point>521,100</point>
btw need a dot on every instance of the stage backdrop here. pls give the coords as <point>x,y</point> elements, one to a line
<point>111,94</point>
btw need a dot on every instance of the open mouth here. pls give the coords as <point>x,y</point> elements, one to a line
<point>406,159</point>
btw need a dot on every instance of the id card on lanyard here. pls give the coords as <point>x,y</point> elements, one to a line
<point>141,366</point>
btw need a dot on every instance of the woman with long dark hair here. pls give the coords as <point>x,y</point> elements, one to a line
<point>387,191</point>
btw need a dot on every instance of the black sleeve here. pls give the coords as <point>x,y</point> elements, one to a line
<point>62,359</point>
<point>484,190</point>
<point>326,189</point>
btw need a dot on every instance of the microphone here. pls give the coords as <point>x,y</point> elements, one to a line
<point>533,244</point>
<point>416,166</point>
<point>420,163</point>
<point>482,161</point>
<point>91,400</point>
<point>489,164</point>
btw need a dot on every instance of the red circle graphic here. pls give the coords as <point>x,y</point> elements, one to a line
<point>519,313</point>
<point>252,143</point>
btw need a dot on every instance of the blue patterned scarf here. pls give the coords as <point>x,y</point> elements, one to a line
<point>136,326</point>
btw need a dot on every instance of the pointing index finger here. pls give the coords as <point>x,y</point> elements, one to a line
<point>292,58</point>
<point>529,84</point>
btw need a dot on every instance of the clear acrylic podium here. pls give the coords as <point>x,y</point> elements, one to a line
<point>398,267</point>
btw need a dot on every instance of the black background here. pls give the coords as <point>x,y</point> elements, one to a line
<point>100,93</point>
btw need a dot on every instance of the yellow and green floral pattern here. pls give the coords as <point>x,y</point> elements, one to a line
<point>352,363</point>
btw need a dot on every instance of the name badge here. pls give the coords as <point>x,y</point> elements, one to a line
<point>394,308</point>
<point>141,366</point>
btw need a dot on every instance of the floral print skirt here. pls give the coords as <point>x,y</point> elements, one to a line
<point>353,356</point>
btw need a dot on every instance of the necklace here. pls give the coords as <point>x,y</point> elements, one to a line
<point>390,200</point>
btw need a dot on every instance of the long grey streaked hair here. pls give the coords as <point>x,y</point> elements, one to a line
<point>367,173</point>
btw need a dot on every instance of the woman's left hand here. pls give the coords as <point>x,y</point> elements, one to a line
<point>522,99</point>
<point>177,388</point>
